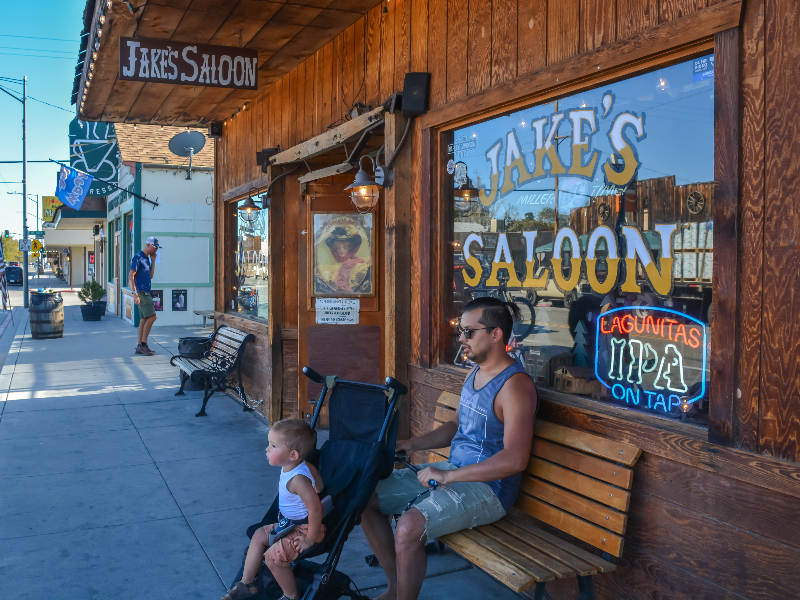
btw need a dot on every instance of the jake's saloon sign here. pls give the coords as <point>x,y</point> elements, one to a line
<point>165,61</point>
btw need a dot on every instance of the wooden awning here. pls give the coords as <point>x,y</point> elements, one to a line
<point>284,34</point>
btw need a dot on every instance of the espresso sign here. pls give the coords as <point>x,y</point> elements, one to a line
<point>164,61</point>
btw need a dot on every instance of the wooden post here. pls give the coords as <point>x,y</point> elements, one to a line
<point>276,294</point>
<point>397,263</point>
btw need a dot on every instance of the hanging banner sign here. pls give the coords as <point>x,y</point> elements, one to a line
<point>72,187</point>
<point>49,206</point>
<point>93,149</point>
<point>165,61</point>
<point>653,358</point>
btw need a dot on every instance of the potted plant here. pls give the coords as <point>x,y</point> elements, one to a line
<point>90,293</point>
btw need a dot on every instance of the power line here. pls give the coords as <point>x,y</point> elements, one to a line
<point>37,50</point>
<point>27,37</point>
<point>37,55</point>
<point>48,104</point>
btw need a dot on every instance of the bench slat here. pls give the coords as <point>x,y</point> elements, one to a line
<point>581,567</point>
<point>499,568</point>
<point>588,465</point>
<point>508,542</point>
<point>589,510</point>
<point>512,555</point>
<point>232,333</point>
<point>449,399</point>
<point>529,525</point>
<point>593,444</point>
<point>434,457</point>
<point>444,414</point>
<point>579,484</point>
<point>583,530</point>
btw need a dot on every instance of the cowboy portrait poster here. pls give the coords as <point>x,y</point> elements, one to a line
<point>343,254</point>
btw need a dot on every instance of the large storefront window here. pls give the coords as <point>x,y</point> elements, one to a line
<point>594,214</point>
<point>251,263</point>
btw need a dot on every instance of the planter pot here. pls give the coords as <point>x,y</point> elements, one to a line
<point>102,303</point>
<point>92,312</point>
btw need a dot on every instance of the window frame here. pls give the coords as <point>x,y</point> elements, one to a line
<point>722,356</point>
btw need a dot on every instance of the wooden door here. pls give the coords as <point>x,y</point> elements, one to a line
<point>353,352</point>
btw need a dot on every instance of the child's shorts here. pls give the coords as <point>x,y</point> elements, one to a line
<point>284,551</point>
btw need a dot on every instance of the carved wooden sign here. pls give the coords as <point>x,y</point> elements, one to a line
<point>181,63</point>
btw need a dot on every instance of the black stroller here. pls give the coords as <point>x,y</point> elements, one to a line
<point>358,453</point>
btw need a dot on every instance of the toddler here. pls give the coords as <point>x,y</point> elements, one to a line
<point>290,442</point>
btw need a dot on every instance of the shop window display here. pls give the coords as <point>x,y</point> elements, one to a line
<point>594,214</point>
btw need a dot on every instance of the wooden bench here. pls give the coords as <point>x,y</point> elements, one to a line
<point>220,368</point>
<point>206,314</point>
<point>575,482</point>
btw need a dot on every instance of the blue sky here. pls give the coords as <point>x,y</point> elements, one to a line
<point>49,65</point>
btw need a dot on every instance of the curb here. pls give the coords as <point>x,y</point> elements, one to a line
<point>8,321</point>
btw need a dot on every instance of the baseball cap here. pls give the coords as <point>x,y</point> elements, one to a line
<point>153,242</point>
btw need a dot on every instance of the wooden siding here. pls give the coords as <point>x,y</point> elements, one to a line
<point>707,521</point>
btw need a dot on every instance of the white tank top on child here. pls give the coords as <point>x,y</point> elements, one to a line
<point>291,505</point>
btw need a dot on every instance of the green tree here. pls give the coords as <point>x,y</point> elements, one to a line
<point>11,249</point>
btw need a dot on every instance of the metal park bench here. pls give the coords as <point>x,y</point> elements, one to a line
<point>219,368</point>
<point>577,483</point>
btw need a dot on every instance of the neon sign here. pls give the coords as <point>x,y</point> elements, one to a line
<point>651,357</point>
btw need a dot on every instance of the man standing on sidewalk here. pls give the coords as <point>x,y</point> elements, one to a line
<point>143,268</point>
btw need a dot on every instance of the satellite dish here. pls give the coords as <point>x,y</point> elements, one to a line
<point>187,143</point>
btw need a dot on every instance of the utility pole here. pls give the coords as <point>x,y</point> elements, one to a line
<point>24,192</point>
<point>24,102</point>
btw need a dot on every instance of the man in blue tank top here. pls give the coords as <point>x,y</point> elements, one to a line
<point>490,444</point>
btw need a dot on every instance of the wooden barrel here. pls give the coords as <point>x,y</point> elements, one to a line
<point>47,315</point>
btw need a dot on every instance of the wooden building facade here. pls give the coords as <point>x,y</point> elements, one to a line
<point>713,509</point>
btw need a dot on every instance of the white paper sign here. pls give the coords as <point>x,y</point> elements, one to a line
<point>337,311</point>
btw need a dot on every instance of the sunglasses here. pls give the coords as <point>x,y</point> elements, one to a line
<point>467,333</point>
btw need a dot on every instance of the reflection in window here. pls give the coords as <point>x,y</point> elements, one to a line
<point>251,263</point>
<point>593,214</point>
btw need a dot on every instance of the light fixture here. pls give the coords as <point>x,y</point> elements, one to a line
<point>663,84</point>
<point>108,4</point>
<point>91,74</point>
<point>94,55</point>
<point>134,126</point>
<point>99,32</point>
<point>102,19</point>
<point>365,190</point>
<point>249,210</point>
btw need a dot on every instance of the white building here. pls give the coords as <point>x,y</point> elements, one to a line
<point>71,243</point>
<point>182,220</point>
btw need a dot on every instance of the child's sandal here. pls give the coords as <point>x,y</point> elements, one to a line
<point>240,590</point>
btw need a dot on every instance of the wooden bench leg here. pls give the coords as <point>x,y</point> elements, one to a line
<point>206,396</point>
<point>184,379</point>
<point>586,588</point>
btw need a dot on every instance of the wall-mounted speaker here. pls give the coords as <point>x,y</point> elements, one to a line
<point>215,130</point>
<point>416,89</point>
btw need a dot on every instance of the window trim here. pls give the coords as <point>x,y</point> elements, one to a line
<point>231,221</point>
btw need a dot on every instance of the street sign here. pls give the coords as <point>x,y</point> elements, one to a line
<point>36,233</point>
<point>36,245</point>
<point>25,245</point>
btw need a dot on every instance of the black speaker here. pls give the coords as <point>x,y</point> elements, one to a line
<point>215,130</point>
<point>416,89</point>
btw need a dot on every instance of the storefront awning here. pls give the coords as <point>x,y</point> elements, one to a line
<point>284,35</point>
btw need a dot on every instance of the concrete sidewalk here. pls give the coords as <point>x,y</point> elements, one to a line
<point>111,488</point>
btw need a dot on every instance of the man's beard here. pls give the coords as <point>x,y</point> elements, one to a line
<point>478,357</point>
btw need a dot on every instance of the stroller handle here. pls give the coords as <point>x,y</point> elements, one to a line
<point>313,375</point>
<point>396,386</point>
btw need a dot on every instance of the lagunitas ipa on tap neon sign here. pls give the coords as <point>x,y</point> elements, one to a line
<point>651,357</point>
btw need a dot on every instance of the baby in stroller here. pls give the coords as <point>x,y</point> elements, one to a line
<point>290,442</point>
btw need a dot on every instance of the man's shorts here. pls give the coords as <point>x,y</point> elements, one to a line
<point>146,306</point>
<point>447,509</point>
<point>284,551</point>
